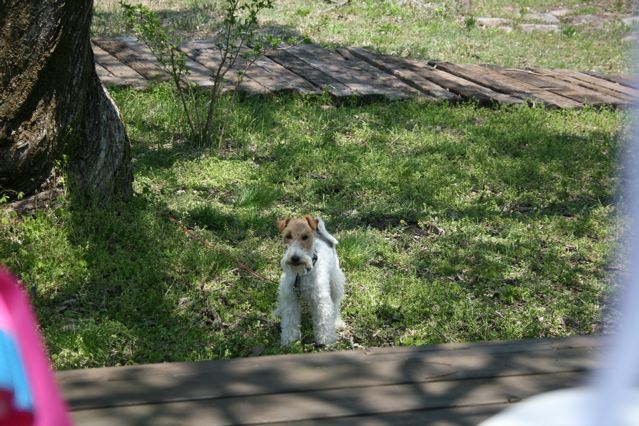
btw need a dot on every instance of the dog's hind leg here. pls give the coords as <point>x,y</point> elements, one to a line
<point>323,311</point>
<point>337,280</point>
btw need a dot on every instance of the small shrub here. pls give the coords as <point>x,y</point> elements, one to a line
<point>236,38</point>
<point>470,22</point>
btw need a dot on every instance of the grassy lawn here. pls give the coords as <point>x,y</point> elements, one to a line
<point>456,223</point>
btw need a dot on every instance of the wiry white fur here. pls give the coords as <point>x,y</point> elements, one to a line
<point>321,286</point>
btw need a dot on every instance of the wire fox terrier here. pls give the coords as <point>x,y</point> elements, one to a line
<point>311,273</point>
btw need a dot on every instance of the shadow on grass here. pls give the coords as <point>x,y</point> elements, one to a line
<point>145,293</point>
<point>514,166</point>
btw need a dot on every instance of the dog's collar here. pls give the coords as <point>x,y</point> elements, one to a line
<point>298,277</point>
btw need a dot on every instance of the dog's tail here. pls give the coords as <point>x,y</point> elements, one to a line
<point>324,235</point>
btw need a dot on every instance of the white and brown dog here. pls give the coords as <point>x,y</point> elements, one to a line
<point>310,272</point>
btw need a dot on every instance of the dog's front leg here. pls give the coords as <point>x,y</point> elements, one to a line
<point>289,310</point>
<point>323,311</point>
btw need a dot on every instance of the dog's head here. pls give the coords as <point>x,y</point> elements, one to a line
<point>299,236</point>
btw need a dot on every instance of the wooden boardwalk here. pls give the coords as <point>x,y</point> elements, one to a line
<point>453,384</point>
<point>356,72</point>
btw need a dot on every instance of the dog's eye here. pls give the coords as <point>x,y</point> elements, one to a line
<point>305,237</point>
<point>288,236</point>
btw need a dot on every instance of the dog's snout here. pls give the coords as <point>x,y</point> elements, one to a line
<point>295,259</point>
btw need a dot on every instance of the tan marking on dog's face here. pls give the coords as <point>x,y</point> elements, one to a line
<point>298,230</point>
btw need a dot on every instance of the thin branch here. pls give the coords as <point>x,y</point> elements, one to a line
<point>175,73</point>
<point>218,76</point>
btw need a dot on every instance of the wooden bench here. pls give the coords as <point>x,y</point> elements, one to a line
<point>451,384</point>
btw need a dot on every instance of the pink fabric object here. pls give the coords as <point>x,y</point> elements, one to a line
<point>17,318</point>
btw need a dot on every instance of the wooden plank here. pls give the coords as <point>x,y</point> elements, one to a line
<point>198,73</point>
<point>332,403</point>
<point>498,346</point>
<point>134,55</point>
<point>106,77</point>
<point>465,416</point>
<point>396,67</point>
<point>482,349</point>
<point>201,53</point>
<point>571,77</point>
<point>267,73</point>
<point>462,86</point>
<point>271,82</point>
<point>566,89</point>
<point>286,80</point>
<point>623,93</point>
<point>161,383</point>
<point>314,75</point>
<point>389,78</point>
<point>359,76</point>
<point>615,78</point>
<point>617,87</point>
<point>441,79</point>
<point>505,84</point>
<point>103,72</point>
<point>127,75</point>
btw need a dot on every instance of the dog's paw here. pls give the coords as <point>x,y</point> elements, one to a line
<point>325,340</point>
<point>290,337</point>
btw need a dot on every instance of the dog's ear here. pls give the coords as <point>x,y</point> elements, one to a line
<point>282,223</point>
<point>312,222</point>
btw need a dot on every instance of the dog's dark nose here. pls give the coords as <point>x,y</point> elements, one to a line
<point>295,259</point>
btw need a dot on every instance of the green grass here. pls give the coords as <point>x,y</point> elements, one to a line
<point>442,33</point>
<point>434,30</point>
<point>456,224</point>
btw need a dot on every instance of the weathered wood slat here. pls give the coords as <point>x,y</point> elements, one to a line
<point>161,383</point>
<point>458,416</point>
<point>390,79</point>
<point>463,87</point>
<point>326,404</point>
<point>135,55</point>
<point>616,87</point>
<point>569,90</point>
<point>323,358</point>
<point>398,68</point>
<point>106,76</point>
<point>286,80</point>
<point>267,73</point>
<point>505,84</point>
<point>198,73</point>
<point>314,75</point>
<point>127,75</point>
<point>356,72</point>
<point>200,51</point>
<point>358,76</point>
<point>358,63</point>
<point>589,82</point>
<point>615,78</point>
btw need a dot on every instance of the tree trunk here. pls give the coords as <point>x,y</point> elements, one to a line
<point>52,104</point>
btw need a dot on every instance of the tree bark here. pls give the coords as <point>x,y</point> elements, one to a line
<point>52,104</point>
